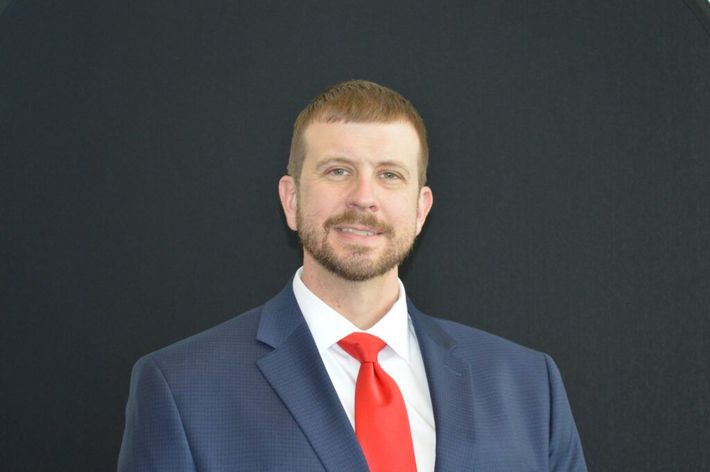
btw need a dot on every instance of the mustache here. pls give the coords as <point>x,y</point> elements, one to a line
<point>356,218</point>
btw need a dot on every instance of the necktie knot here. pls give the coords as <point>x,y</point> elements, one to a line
<point>362,346</point>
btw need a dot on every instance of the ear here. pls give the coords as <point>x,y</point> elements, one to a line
<point>289,201</point>
<point>426,200</point>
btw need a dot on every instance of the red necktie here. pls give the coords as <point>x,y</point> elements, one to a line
<point>381,422</point>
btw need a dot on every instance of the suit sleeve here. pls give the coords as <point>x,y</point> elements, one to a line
<point>154,438</point>
<point>565,447</point>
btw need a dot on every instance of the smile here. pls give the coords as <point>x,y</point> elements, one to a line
<point>356,231</point>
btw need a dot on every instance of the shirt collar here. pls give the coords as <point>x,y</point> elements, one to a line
<point>327,326</point>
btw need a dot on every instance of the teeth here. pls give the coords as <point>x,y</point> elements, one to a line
<point>357,231</point>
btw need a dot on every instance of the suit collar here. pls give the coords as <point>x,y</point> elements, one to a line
<point>280,317</point>
<point>295,371</point>
<point>451,389</point>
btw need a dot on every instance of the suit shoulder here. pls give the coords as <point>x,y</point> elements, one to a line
<point>476,343</point>
<point>227,340</point>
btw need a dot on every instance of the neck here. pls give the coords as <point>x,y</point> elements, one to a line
<point>362,303</point>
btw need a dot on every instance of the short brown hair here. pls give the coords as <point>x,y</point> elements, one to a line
<point>358,101</point>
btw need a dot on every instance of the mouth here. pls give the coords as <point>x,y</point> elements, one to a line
<point>356,227</point>
<point>358,230</point>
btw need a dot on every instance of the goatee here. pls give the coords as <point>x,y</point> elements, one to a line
<point>356,264</point>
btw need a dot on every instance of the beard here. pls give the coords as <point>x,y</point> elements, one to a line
<point>357,263</point>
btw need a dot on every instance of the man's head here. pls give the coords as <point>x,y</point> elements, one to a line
<point>356,101</point>
<point>355,192</point>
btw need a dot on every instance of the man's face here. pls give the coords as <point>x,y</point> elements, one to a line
<point>358,206</point>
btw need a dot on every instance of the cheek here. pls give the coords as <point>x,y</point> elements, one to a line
<point>404,212</point>
<point>321,201</point>
<point>313,207</point>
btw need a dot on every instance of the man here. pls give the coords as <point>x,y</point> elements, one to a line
<point>339,371</point>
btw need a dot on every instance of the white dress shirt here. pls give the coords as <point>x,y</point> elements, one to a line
<point>401,359</point>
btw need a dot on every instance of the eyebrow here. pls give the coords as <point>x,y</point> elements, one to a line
<point>344,160</point>
<point>333,160</point>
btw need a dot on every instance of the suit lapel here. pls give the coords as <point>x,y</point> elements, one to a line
<point>451,391</point>
<point>295,371</point>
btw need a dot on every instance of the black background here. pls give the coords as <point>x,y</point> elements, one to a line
<point>141,144</point>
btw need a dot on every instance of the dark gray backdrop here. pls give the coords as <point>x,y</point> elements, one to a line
<point>141,143</point>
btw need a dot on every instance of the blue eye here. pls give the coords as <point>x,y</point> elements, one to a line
<point>389,176</point>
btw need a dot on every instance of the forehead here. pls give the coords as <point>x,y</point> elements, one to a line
<point>397,140</point>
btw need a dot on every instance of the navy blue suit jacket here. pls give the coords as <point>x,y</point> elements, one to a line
<point>252,394</point>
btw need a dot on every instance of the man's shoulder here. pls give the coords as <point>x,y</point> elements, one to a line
<point>228,343</point>
<point>468,334</point>
<point>482,347</point>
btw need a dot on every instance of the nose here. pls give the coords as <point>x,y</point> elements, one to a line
<point>362,195</point>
